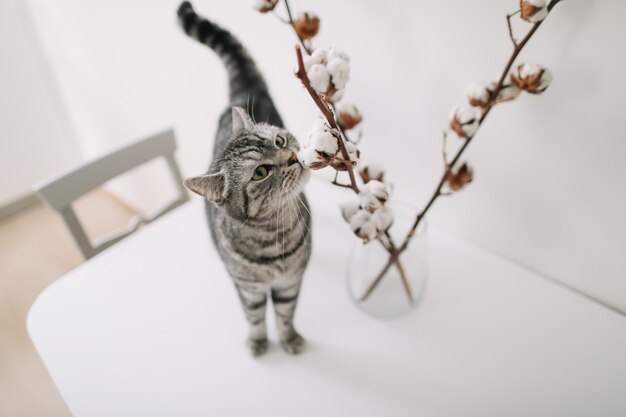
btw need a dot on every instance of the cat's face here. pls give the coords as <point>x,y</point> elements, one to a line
<point>259,171</point>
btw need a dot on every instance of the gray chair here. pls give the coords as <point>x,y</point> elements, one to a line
<point>60,192</point>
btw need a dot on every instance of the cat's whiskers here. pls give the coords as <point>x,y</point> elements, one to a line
<point>300,189</point>
<point>300,221</point>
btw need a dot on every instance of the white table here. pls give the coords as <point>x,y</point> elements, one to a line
<point>152,327</point>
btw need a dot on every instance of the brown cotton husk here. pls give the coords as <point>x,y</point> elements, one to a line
<point>366,176</point>
<point>267,6</point>
<point>529,84</point>
<point>477,103</point>
<point>340,164</point>
<point>527,10</point>
<point>463,176</point>
<point>457,127</point>
<point>347,121</point>
<point>307,26</point>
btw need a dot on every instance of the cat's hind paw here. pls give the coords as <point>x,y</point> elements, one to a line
<point>257,346</point>
<point>294,344</point>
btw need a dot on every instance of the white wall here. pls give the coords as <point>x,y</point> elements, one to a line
<point>35,137</point>
<point>550,170</point>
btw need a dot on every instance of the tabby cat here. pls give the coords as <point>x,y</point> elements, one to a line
<point>258,215</point>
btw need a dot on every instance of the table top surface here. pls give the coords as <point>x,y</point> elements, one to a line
<point>153,327</point>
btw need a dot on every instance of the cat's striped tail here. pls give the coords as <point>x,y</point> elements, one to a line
<point>243,76</point>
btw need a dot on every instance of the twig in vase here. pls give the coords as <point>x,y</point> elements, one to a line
<point>330,119</point>
<point>493,99</point>
<point>326,81</point>
<point>327,113</point>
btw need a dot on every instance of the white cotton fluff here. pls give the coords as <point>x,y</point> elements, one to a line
<point>349,209</point>
<point>509,92</point>
<point>468,117</point>
<point>546,79</point>
<point>374,170</point>
<point>353,151</point>
<point>319,123</point>
<point>539,15</point>
<point>319,78</point>
<point>310,157</point>
<point>363,225</point>
<point>349,109</point>
<point>478,93</point>
<point>383,219</point>
<point>317,57</point>
<point>334,53</point>
<point>339,70</point>
<point>323,141</point>
<point>369,201</point>
<point>337,95</point>
<point>528,70</point>
<point>537,3</point>
<point>379,190</point>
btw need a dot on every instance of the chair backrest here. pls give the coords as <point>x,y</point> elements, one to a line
<point>61,191</point>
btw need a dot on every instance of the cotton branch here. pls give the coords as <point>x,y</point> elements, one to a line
<point>493,100</point>
<point>328,115</point>
<point>516,51</point>
<point>330,119</point>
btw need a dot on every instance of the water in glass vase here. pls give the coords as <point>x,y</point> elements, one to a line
<point>400,289</point>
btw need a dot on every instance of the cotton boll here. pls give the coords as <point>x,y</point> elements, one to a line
<point>319,123</point>
<point>339,71</point>
<point>334,53</point>
<point>370,172</point>
<point>363,225</point>
<point>464,120</point>
<point>508,92</point>
<point>306,25</point>
<point>533,10</point>
<point>369,201</point>
<point>348,115</point>
<point>349,209</point>
<point>379,190</point>
<point>335,96</point>
<point>324,141</point>
<point>265,6</point>
<point>353,151</point>
<point>383,219</point>
<point>460,177</point>
<point>317,57</point>
<point>478,94</point>
<point>319,78</point>
<point>368,231</point>
<point>531,78</point>
<point>310,158</point>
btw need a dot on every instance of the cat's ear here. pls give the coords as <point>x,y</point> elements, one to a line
<point>241,120</point>
<point>211,186</point>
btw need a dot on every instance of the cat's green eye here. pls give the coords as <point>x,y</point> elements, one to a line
<point>260,173</point>
<point>280,141</point>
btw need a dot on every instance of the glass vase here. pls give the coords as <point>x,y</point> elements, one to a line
<point>393,294</point>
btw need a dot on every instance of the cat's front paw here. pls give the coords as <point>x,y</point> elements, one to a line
<point>294,344</point>
<point>257,346</point>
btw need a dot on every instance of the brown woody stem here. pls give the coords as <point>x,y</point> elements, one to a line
<point>306,48</point>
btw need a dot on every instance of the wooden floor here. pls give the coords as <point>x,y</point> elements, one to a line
<point>35,249</point>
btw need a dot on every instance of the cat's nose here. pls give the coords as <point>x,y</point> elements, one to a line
<point>293,159</point>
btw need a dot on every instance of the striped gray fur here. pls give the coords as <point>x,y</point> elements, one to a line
<point>261,228</point>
